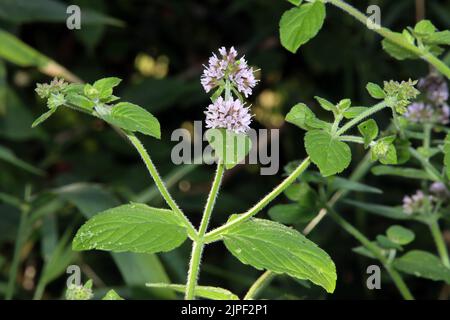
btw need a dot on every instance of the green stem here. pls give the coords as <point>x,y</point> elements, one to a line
<point>20,239</point>
<point>431,170</point>
<point>362,116</point>
<point>215,234</point>
<point>160,184</point>
<point>440,243</point>
<point>375,250</point>
<point>393,37</point>
<point>199,243</point>
<point>352,139</point>
<point>260,284</point>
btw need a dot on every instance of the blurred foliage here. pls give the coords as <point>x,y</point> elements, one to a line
<point>73,166</point>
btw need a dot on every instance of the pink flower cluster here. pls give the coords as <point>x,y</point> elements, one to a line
<point>227,67</point>
<point>228,114</point>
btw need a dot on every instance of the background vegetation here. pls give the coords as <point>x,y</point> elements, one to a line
<point>73,166</point>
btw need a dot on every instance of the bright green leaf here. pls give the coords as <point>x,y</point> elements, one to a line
<point>303,117</point>
<point>397,51</point>
<point>324,103</point>
<point>105,86</point>
<point>400,235</point>
<point>133,228</point>
<point>112,295</point>
<point>353,112</point>
<point>133,118</point>
<point>423,264</point>
<point>301,24</point>
<point>386,243</point>
<point>375,91</point>
<point>269,245</point>
<point>329,154</point>
<point>43,117</point>
<point>369,131</point>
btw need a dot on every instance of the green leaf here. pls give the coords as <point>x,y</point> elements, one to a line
<point>231,148</point>
<point>304,118</point>
<point>380,210</point>
<point>269,245</point>
<point>9,156</point>
<point>325,104</point>
<point>424,265</point>
<point>375,91</point>
<point>397,51</point>
<point>386,243</point>
<point>353,112</point>
<point>105,86</point>
<point>213,293</point>
<point>439,38</point>
<point>80,101</point>
<point>447,155</point>
<point>384,151</point>
<point>339,183</point>
<point>424,27</point>
<point>369,131</point>
<point>400,235</point>
<point>401,172</point>
<point>112,295</point>
<point>133,118</point>
<point>329,154</point>
<point>301,24</point>
<point>133,228</point>
<point>292,213</point>
<point>43,117</point>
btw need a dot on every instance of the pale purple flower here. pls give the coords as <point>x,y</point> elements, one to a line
<point>419,112</point>
<point>228,67</point>
<point>228,114</point>
<point>414,203</point>
<point>440,190</point>
<point>435,88</point>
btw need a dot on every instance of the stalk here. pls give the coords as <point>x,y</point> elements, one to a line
<point>440,243</point>
<point>199,243</point>
<point>215,234</point>
<point>160,184</point>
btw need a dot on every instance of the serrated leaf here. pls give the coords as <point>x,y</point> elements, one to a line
<point>304,118</point>
<point>369,131</point>
<point>269,245</point>
<point>375,91</point>
<point>447,154</point>
<point>105,86</point>
<point>207,292</point>
<point>133,118</point>
<point>301,24</point>
<point>400,235</point>
<point>329,154</point>
<point>424,265</point>
<point>231,148</point>
<point>131,228</point>
<point>43,117</point>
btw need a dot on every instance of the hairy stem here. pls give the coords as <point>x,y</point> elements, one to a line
<point>440,243</point>
<point>393,37</point>
<point>378,107</point>
<point>262,282</point>
<point>215,234</point>
<point>160,184</point>
<point>198,245</point>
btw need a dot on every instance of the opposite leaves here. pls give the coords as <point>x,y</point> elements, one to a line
<point>133,228</point>
<point>265,244</point>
